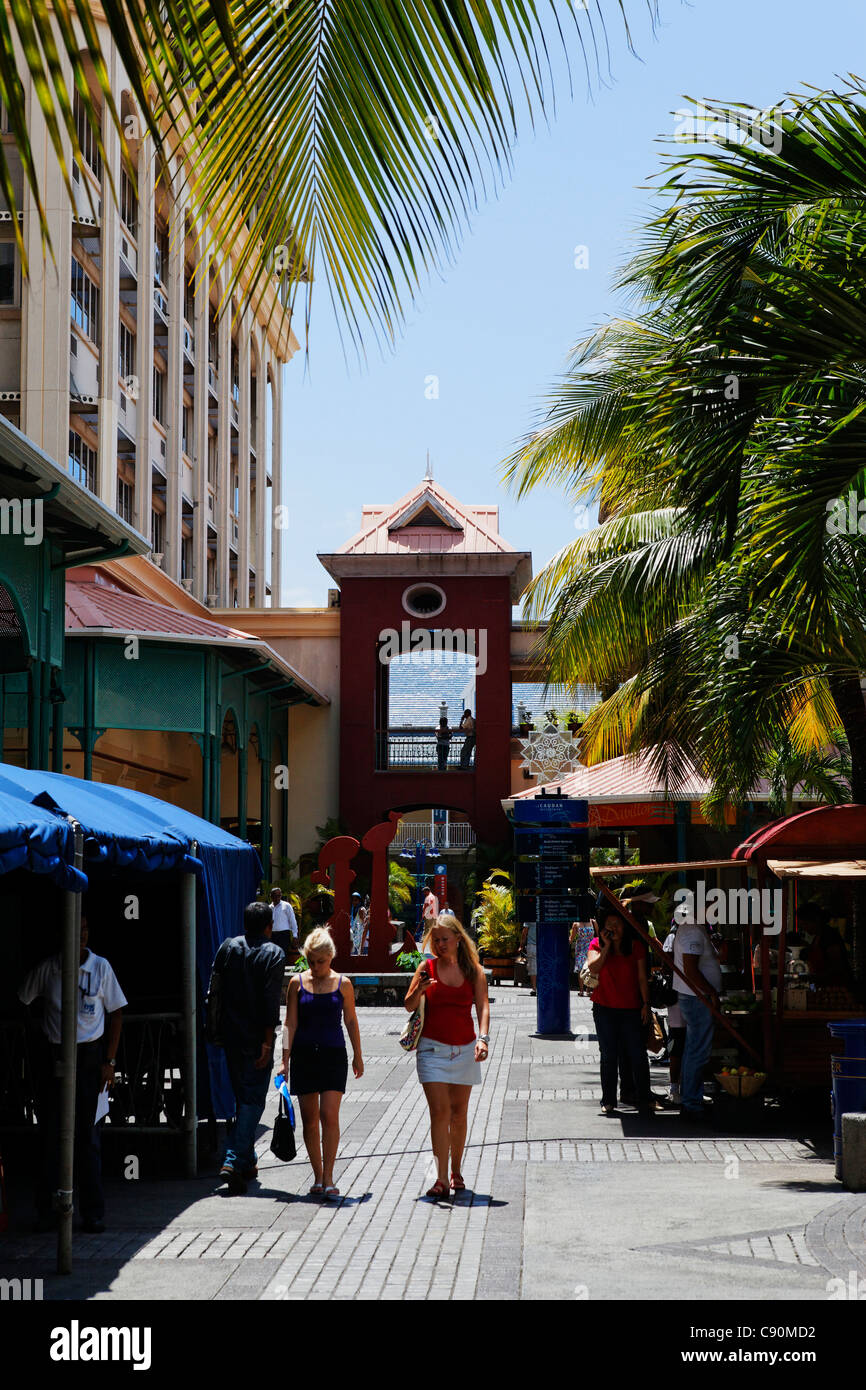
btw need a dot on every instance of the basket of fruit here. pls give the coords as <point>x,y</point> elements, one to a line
<point>741,1081</point>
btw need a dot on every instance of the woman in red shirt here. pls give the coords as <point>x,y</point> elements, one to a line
<point>620,1008</point>
<point>449,1054</point>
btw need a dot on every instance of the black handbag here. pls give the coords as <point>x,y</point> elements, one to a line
<point>283,1139</point>
<point>661,991</point>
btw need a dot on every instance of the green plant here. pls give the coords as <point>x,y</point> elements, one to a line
<point>496,918</point>
<point>401,887</point>
<point>409,960</point>
<point>552,716</point>
<point>299,965</point>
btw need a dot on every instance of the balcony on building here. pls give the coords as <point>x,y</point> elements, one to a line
<point>441,835</point>
<point>409,748</point>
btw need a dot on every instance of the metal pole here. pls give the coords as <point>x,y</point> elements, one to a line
<point>190,1019</point>
<point>65,1069</point>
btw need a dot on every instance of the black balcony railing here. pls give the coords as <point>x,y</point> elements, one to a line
<point>417,749</point>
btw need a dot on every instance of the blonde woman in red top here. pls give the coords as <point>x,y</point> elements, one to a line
<point>449,1054</point>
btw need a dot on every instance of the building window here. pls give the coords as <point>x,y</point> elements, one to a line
<point>160,255</point>
<point>186,557</point>
<point>86,137</point>
<point>189,298</point>
<point>186,430</point>
<point>159,395</point>
<point>212,340</point>
<point>128,204</point>
<point>157,532</point>
<point>212,460</point>
<point>124,500</point>
<point>82,460</point>
<point>126,355</point>
<point>84,306</point>
<point>235,495</point>
<point>8,275</point>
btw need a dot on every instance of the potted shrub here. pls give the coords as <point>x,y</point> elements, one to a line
<point>524,720</point>
<point>573,721</point>
<point>551,717</point>
<point>498,928</point>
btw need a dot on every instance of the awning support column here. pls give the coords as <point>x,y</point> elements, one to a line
<point>67,1066</point>
<point>190,1019</point>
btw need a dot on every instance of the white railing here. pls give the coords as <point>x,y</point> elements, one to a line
<point>454,835</point>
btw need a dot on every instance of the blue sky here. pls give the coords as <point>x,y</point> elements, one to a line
<point>496,329</point>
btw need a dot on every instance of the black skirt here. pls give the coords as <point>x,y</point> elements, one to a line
<point>313,1069</point>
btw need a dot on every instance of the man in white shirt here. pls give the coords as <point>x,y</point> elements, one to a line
<point>695,957</point>
<point>284,914</point>
<point>100,1001</point>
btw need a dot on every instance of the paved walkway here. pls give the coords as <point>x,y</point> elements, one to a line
<point>562,1202</point>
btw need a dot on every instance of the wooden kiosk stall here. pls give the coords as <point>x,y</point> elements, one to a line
<point>787,1034</point>
<point>825,844</point>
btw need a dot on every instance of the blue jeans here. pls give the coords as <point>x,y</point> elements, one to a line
<point>700,1030</point>
<point>250,1087</point>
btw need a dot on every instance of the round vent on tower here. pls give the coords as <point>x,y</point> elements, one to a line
<point>424,600</point>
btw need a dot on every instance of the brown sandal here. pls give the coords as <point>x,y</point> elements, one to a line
<point>439,1189</point>
<point>457,1183</point>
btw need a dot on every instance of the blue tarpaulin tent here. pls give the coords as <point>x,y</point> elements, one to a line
<point>128,829</point>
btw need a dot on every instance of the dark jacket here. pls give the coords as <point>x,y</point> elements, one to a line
<point>252,977</point>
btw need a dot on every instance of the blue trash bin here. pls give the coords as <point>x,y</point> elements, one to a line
<point>849,1078</point>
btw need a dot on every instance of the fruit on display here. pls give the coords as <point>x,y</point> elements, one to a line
<point>742,1071</point>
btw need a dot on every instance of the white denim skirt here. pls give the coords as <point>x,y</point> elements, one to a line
<point>455,1066</point>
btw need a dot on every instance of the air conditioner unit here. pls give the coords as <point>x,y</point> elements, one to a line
<point>84,219</point>
<point>5,217</point>
<point>187,584</point>
<point>333,598</point>
<point>160,304</point>
<point>10,395</point>
<point>84,400</point>
<point>188,341</point>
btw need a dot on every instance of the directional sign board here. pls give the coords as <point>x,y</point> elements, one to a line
<point>551,847</point>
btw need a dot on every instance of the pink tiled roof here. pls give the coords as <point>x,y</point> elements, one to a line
<point>476,532</point>
<point>96,605</point>
<point>632,779</point>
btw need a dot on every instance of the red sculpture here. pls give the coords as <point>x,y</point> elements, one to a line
<point>377,840</point>
<point>337,854</point>
<point>334,873</point>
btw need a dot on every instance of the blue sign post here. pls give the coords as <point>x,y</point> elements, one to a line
<point>551,846</point>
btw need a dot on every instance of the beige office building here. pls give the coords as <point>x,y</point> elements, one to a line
<point>114,360</point>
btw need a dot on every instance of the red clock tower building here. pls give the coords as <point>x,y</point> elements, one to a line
<point>426,585</point>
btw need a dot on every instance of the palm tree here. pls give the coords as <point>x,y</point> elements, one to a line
<point>718,427</point>
<point>495,916</point>
<point>351,138</point>
<point>401,886</point>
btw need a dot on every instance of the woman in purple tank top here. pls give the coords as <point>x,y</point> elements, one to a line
<point>318,1002</point>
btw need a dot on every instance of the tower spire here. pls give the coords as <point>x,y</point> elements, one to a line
<point>428,476</point>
